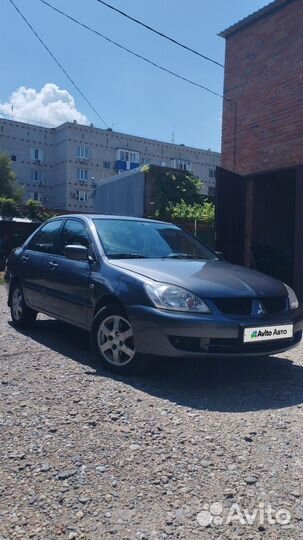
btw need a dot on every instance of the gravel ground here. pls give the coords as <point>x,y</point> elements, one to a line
<point>182,452</point>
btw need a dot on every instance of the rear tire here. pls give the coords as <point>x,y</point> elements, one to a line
<point>113,343</point>
<point>22,316</point>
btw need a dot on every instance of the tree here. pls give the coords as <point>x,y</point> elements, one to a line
<point>8,185</point>
<point>172,187</point>
<point>11,196</point>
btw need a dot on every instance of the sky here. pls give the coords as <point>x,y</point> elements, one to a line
<point>130,95</point>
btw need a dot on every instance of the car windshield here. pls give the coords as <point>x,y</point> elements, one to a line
<point>130,239</point>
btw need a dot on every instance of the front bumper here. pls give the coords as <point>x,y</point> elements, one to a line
<point>164,333</point>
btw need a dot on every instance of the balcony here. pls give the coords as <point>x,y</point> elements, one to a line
<point>125,165</point>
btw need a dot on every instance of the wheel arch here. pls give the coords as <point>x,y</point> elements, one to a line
<point>107,300</point>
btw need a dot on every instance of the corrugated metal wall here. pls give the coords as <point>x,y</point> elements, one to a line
<point>121,196</point>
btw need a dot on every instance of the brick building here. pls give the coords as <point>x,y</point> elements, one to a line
<point>263,123</point>
<point>259,217</point>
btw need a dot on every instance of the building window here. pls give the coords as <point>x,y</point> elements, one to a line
<point>83,152</point>
<point>81,195</point>
<point>82,174</point>
<point>36,176</point>
<point>13,158</point>
<point>182,164</point>
<point>211,191</point>
<point>211,173</point>
<point>37,154</point>
<point>126,155</point>
<point>106,164</point>
<point>163,163</point>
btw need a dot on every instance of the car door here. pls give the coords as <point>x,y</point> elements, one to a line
<point>68,280</point>
<point>31,266</point>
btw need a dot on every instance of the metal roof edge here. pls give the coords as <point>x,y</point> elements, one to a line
<point>266,10</point>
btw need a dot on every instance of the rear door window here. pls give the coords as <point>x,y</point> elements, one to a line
<point>46,239</point>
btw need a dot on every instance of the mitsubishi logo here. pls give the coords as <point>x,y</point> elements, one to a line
<point>260,309</point>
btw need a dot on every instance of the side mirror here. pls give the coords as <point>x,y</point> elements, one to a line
<point>76,253</point>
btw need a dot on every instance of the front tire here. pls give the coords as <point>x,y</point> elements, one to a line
<point>113,343</point>
<point>22,316</point>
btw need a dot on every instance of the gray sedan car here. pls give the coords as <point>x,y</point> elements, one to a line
<point>146,288</point>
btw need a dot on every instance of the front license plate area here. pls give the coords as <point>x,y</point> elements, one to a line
<point>267,333</point>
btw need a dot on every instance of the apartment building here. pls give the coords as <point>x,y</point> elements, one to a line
<point>60,166</point>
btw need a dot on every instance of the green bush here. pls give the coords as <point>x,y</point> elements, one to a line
<point>9,207</point>
<point>31,210</point>
<point>200,212</point>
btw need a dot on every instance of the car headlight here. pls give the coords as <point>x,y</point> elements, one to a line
<point>293,300</point>
<point>165,296</point>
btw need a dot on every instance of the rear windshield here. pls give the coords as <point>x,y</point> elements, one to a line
<point>148,239</point>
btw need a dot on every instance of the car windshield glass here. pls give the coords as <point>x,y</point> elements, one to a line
<point>126,239</point>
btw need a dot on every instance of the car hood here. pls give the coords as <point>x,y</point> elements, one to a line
<point>208,278</point>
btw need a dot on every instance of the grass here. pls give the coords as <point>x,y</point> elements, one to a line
<point>1,278</point>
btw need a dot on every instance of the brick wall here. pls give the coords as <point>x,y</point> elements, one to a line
<point>264,76</point>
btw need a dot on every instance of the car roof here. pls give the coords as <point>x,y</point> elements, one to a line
<point>107,216</point>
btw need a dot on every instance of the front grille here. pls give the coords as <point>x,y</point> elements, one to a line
<point>234,306</point>
<point>276,304</point>
<point>244,306</point>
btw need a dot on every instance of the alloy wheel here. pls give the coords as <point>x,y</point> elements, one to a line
<point>17,304</point>
<point>116,340</point>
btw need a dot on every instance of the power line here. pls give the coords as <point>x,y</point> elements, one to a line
<point>58,63</point>
<point>137,55</point>
<point>160,33</point>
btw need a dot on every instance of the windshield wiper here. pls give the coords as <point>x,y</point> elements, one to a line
<point>184,256</point>
<point>126,256</point>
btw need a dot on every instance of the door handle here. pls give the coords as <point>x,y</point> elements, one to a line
<point>52,265</point>
<point>25,258</point>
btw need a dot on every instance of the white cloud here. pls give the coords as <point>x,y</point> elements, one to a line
<point>50,106</point>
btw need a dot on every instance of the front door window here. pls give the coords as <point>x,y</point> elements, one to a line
<point>74,233</point>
